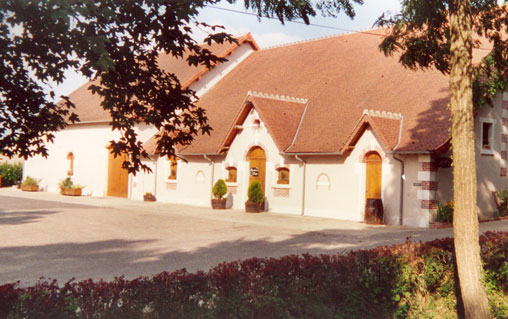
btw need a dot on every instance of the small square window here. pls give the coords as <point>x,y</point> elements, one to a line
<point>283,176</point>
<point>232,172</point>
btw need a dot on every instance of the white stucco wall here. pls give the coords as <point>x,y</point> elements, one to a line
<point>489,165</point>
<point>414,215</point>
<point>344,196</point>
<point>88,143</point>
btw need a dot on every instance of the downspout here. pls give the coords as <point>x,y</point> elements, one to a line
<point>213,171</point>
<point>155,177</point>
<point>303,186</point>
<point>402,176</point>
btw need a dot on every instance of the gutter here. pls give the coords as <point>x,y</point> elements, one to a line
<point>213,171</point>
<point>306,154</point>
<point>402,178</point>
<point>303,187</point>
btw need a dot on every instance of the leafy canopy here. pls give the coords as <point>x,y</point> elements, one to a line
<point>421,35</point>
<point>115,44</point>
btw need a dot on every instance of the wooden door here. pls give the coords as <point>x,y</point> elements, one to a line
<point>257,166</point>
<point>373,175</point>
<point>118,178</point>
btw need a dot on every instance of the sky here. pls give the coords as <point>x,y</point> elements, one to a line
<point>270,32</point>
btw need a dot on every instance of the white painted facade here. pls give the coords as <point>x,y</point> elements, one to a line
<point>331,185</point>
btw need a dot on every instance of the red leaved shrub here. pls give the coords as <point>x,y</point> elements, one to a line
<point>401,281</point>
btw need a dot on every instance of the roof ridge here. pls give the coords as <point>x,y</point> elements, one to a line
<point>336,35</point>
<point>284,98</point>
<point>383,114</point>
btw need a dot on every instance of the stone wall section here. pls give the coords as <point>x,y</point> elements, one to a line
<point>428,183</point>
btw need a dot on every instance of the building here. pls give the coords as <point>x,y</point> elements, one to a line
<point>323,125</point>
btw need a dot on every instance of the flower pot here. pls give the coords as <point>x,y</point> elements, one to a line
<point>70,191</point>
<point>252,207</point>
<point>219,203</point>
<point>149,198</point>
<point>30,188</point>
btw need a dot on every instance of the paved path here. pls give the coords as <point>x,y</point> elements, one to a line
<point>50,235</point>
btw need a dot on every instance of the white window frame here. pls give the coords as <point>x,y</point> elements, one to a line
<point>490,150</point>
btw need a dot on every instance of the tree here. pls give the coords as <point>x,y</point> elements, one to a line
<point>114,43</point>
<point>439,34</point>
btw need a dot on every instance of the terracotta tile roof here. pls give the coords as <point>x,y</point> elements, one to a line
<point>280,114</point>
<point>386,127</point>
<point>340,76</point>
<point>150,145</point>
<point>88,105</point>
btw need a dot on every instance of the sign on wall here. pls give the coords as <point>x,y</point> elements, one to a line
<point>254,171</point>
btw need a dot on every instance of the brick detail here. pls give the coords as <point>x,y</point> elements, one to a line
<point>505,105</point>
<point>429,186</point>
<point>429,204</point>
<point>171,186</point>
<point>503,171</point>
<point>281,192</point>
<point>504,138</point>
<point>232,189</point>
<point>505,121</point>
<point>429,166</point>
<point>503,155</point>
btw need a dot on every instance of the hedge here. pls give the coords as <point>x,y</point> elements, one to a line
<point>11,174</point>
<point>412,280</point>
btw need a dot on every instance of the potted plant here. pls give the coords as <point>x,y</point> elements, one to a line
<point>148,197</point>
<point>255,203</point>
<point>219,190</point>
<point>30,184</point>
<point>68,188</point>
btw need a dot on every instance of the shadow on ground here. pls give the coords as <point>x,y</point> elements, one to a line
<point>112,258</point>
<point>23,217</point>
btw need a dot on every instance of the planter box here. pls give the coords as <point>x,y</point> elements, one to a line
<point>149,198</point>
<point>219,203</point>
<point>70,191</point>
<point>30,188</point>
<point>252,207</point>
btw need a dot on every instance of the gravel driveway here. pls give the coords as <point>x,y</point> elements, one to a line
<point>53,236</point>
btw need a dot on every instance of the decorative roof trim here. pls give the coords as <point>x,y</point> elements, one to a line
<point>366,31</point>
<point>283,98</point>
<point>383,114</point>
<point>246,38</point>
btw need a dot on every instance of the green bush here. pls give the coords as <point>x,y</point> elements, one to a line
<point>11,174</point>
<point>503,202</point>
<point>445,212</point>
<point>68,183</point>
<point>255,193</point>
<point>219,189</point>
<point>31,181</point>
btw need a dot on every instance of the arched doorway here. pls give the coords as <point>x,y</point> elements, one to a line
<point>257,166</point>
<point>118,177</point>
<point>373,204</point>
